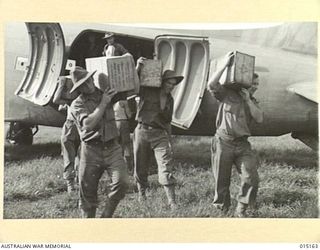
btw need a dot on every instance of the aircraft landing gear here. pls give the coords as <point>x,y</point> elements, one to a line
<point>20,133</point>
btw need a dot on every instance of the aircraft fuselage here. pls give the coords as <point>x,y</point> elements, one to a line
<point>284,111</point>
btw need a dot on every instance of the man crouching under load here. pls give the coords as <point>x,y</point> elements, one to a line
<point>152,134</point>
<point>100,150</point>
<point>230,144</point>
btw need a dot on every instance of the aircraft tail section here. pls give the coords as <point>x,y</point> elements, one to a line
<point>307,90</point>
<point>309,139</point>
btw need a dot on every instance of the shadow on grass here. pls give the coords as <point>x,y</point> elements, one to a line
<point>285,197</point>
<point>21,152</point>
<point>297,158</point>
<point>40,195</point>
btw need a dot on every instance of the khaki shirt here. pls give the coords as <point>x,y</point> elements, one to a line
<point>82,107</point>
<point>233,117</point>
<point>149,111</point>
<point>122,110</point>
<point>118,50</point>
<point>69,115</point>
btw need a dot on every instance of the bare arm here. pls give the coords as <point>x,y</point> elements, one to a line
<point>91,121</point>
<point>122,49</point>
<point>255,111</point>
<point>214,80</point>
<point>57,99</point>
<point>139,64</point>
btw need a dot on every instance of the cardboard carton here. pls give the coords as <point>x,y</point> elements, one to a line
<point>239,73</point>
<point>150,74</point>
<point>119,70</point>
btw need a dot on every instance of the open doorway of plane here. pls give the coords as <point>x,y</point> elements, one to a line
<point>186,55</point>
<point>48,54</point>
<point>90,43</point>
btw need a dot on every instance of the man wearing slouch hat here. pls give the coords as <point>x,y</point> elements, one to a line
<point>100,151</point>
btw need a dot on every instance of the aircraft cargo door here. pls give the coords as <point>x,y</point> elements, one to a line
<point>45,63</point>
<point>187,56</point>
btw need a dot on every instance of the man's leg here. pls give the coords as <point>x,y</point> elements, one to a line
<point>116,168</point>
<point>69,152</point>
<point>163,153</point>
<point>222,160</point>
<point>246,163</point>
<point>142,153</point>
<point>89,174</point>
<point>126,145</point>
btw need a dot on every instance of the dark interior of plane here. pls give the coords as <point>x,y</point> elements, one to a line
<point>89,43</point>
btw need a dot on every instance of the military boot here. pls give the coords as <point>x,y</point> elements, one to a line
<point>129,162</point>
<point>70,186</point>
<point>142,193</point>
<point>240,211</point>
<point>171,195</point>
<point>90,213</point>
<point>109,208</point>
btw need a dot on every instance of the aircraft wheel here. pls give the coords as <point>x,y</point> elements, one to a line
<point>19,134</point>
<point>26,137</point>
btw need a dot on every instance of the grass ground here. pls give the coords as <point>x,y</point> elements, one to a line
<point>34,188</point>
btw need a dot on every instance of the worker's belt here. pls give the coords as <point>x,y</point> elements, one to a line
<point>239,139</point>
<point>146,126</point>
<point>99,142</point>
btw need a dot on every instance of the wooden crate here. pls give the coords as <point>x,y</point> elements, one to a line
<point>240,72</point>
<point>150,74</point>
<point>120,71</point>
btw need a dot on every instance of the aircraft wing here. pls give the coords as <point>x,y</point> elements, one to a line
<point>307,90</point>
